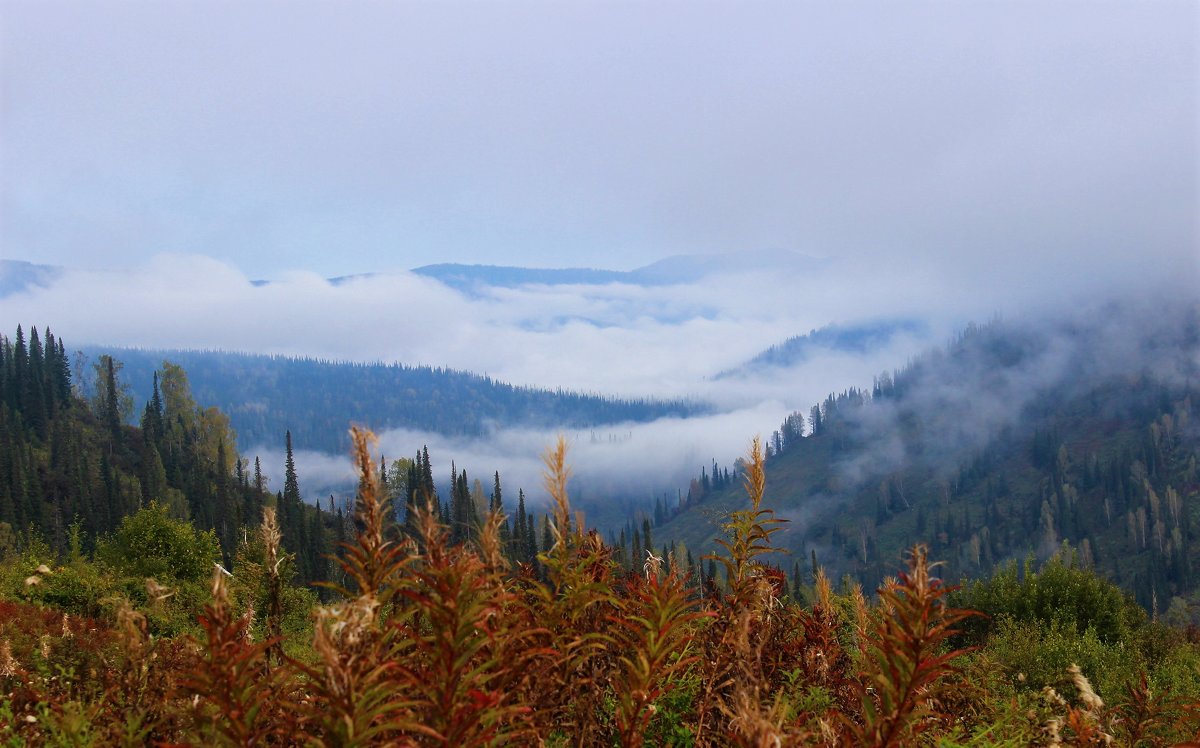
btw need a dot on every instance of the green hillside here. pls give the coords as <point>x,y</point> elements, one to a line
<point>73,469</point>
<point>266,396</point>
<point>1008,442</point>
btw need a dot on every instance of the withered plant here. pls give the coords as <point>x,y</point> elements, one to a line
<point>574,607</point>
<point>1143,716</point>
<point>352,695</point>
<point>463,657</point>
<point>653,639</point>
<point>753,638</point>
<point>906,663</point>
<point>238,698</point>
<point>434,643</point>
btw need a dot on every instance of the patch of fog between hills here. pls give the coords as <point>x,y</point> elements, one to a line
<point>627,461</point>
<point>971,399</point>
<point>621,460</point>
<point>618,339</point>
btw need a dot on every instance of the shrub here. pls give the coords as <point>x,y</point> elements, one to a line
<point>149,543</point>
<point>1060,593</point>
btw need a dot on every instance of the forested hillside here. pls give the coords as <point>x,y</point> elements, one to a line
<point>863,337</point>
<point>73,470</point>
<point>1011,441</point>
<point>72,467</point>
<point>264,396</point>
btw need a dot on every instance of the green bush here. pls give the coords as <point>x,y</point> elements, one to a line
<point>152,544</point>
<point>1179,673</point>
<point>76,588</point>
<point>1034,654</point>
<point>1060,593</point>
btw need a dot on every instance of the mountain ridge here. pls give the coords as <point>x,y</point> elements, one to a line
<point>265,396</point>
<point>21,275</point>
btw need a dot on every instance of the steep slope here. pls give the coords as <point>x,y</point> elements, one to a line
<point>1011,440</point>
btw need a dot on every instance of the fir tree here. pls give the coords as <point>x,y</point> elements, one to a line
<point>531,550</point>
<point>291,486</point>
<point>519,542</point>
<point>112,411</point>
<point>260,483</point>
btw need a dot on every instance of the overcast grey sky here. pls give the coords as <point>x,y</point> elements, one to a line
<point>1001,140</point>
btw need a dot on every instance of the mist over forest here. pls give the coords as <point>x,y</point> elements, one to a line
<point>629,451</point>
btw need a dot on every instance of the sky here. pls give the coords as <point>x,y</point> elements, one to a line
<point>942,162</point>
<point>337,138</point>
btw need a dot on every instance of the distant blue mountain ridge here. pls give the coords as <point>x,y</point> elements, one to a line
<point>862,337</point>
<point>18,275</point>
<point>673,270</point>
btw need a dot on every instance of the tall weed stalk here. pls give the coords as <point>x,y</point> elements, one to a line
<point>353,699</point>
<point>238,699</point>
<point>906,664</point>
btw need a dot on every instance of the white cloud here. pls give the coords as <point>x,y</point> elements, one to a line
<point>617,339</point>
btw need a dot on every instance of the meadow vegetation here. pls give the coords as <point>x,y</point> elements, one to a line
<point>427,642</point>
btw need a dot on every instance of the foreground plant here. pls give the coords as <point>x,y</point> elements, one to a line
<point>238,697</point>
<point>463,658</point>
<point>744,635</point>
<point>435,643</point>
<point>353,697</point>
<point>573,605</point>
<point>906,664</point>
<point>654,634</point>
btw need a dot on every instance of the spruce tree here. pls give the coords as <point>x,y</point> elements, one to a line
<point>260,483</point>
<point>152,416</point>
<point>35,406</point>
<point>291,486</point>
<point>427,476</point>
<point>58,369</point>
<point>411,493</point>
<point>497,506</point>
<point>112,410</point>
<point>20,371</point>
<point>519,534</point>
<point>531,550</point>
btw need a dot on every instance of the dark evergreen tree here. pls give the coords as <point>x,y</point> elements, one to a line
<point>291,485</point>
<point>531,550</point>
<point>506,533</point>
<point>412,492</point>
<point>260,482</point>
<point>520,542</point>
<point>34,405</point>
<point>112,410</point>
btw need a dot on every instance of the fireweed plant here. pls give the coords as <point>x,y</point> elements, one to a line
<point>432,643</point>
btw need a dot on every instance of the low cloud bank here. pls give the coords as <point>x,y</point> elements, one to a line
<point>617,339</point>
<point>624,461</point>
<point>613,339</point>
